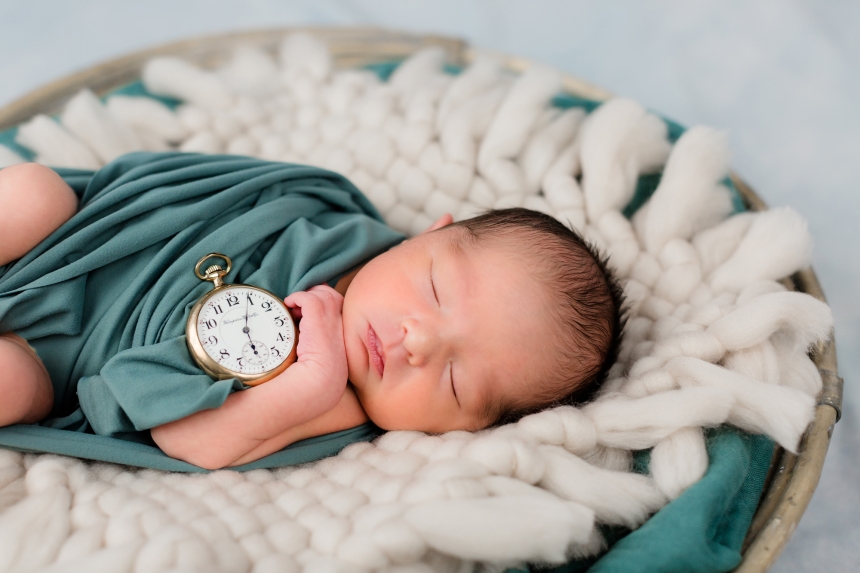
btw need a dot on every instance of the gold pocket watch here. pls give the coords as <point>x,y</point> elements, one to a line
<point>239,331</point>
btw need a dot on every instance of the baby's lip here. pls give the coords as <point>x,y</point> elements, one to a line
<point>374,351</point>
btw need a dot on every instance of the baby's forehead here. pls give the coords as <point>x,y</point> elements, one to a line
<point>512,244</point>
<point>515,250</point>
<point>526,245</point>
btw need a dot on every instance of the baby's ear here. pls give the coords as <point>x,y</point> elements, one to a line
<point>442,221</point>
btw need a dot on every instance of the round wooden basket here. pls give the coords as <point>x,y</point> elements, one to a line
<point>792,478</point>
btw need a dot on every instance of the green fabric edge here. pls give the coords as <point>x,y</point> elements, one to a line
<point>709,520</point>
<point>41,439</point>
<point>7,138</point>
<point>137,89</point>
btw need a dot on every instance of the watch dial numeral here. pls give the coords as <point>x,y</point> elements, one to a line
<point>275,352</point>
<point>211,323</point>
<point>280,337</point>
<point>249,299</point>
<point>232,300</point>
<point>279,322</point>
<point>267,306</point>
<point>212,340</point>
<point>224,353</point>
<point>217,308</point>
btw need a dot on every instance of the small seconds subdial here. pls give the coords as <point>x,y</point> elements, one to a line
<point>246,330</point>
<point>255,352</point>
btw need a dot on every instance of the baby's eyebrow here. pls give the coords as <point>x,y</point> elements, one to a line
<point>459,284</point>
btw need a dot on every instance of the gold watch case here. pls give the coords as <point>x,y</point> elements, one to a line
<point>209,365</point>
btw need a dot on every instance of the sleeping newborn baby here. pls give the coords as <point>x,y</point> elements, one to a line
<point>464,326</point>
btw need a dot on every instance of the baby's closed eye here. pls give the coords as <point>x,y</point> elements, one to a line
<point>433,285</point>
<point>453,386</point>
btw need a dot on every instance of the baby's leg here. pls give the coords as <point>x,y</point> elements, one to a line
<point>26,393</point>
<point>34,202</point>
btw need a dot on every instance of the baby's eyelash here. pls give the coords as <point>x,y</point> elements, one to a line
<point>432,285</point>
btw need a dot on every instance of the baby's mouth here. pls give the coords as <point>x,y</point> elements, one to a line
<point>375,351</point>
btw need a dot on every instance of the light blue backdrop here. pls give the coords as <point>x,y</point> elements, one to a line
<point>780,75</point>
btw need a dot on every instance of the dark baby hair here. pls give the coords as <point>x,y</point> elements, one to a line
<point>587,301</point>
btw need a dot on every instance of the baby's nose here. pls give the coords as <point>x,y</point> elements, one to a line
<point>419,341</point>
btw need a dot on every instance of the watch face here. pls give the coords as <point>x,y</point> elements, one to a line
<point>246,330</point>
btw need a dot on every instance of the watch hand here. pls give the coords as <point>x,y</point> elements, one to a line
<point>254,348</point>
<point>247,330</point>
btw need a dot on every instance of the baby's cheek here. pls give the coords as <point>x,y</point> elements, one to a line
<point>402,413</point>
<point>390,411</point>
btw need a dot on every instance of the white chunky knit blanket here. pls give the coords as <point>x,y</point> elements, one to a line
<point>712,337</point>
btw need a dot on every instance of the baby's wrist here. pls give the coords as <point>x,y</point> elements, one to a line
<point>327,387</point>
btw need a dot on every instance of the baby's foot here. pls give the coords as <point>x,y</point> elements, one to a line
<point>25,386</point>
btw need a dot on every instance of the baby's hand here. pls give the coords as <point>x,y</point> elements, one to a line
<point>265,418</point>
<point>321,351</point>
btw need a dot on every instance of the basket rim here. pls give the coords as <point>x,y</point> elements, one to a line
<point>792,478</point>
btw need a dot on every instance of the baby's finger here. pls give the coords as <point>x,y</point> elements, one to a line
<point>328,294</point>
<point>299,298</point>
<point>323,288</point>
<point>318,309</point>
<point>302,299</point>
<point>325,291</point>
<point>293,303</point>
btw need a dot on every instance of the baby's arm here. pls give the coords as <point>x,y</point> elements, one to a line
<point>34,202</point>
<point>265,418</point>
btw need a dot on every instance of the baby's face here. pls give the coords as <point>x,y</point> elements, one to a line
<point>437,331</point>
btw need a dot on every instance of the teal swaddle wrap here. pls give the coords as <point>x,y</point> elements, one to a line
<point>104,299</point>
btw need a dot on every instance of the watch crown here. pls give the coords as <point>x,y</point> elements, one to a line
<point>214,273</point>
